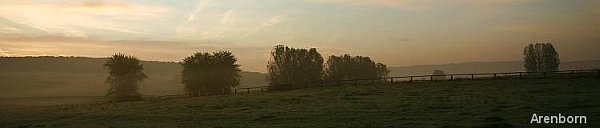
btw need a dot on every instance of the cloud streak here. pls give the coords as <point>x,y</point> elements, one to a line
<point>66,18</point>
<point>201,24</point>
<point>223,26</point>
<point>5,53</point>
<point>424,5</point>
<point>409,5</point>
<point>267,23</point>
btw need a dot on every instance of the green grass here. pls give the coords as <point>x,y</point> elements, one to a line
<point>489,103</point>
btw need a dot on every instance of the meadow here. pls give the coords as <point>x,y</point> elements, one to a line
<point>482,103</point>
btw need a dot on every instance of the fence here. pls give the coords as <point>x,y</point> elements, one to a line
<point>443,77</point>
<point>168,96</point>
<point>393,80</point>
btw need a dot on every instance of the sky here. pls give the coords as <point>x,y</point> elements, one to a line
<point>395,32</point>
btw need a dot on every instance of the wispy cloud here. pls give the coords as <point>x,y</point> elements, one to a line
<point>199,9</point>
<point>424,5</point>
<point>201,21</point>
<point>5,53</point>
<point>267,23</point>
<point>66,18</point>
<point>183,29</point>
<point>10,28</point>
<point>410,5</point>
<point>223,26</point>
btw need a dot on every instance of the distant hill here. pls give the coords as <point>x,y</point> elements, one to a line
<point>484,67</point>
<point>78,76</point>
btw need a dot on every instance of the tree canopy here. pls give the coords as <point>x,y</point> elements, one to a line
<point>206,73</point>
<point>125,77</point>
<point>353,67</point>
<point>540,57</point>
<point>294,67</point>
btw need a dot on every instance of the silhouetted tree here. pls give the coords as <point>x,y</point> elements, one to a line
<point>294,67</point>
<point>348,67</point>
<point>125,77</point>
<point>382,70</point>
<point>337,68</point>
<point>540,57</point>
<point>439,72</point>
<point>206,73</point>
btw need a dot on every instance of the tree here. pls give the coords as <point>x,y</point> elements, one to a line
<point>125,77</point>
<point>294,67</point>
<point>540,57</point>
<point>440,75</point>
<point>337,68</point>
<point>353,67</point>
<point>206,73</point>
<point>382,70</point>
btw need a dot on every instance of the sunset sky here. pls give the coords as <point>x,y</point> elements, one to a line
<point>395,32</point>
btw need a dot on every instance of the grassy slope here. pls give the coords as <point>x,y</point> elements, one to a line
<point>494,103</point>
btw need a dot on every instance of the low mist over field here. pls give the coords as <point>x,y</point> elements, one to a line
<point>77,76</point>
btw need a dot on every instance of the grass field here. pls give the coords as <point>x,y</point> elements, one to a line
<point>489,103</point>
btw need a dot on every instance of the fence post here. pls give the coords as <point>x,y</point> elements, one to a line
<point>572,73</point>
<point>544,74</point>
<point>248,89</point>
<point>451,77</point>
<point>411,78</point>
<point>495,75</point>
<point>234,91</point>
<point>520,75</point>
<point>431,77</point>
<point>373,81</point>
<point>472,76</point>
<point>392,79</point>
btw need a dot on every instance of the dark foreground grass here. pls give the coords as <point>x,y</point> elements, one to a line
<point>490,103</point>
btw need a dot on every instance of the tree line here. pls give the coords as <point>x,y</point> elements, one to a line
<point>207,73</point>
<point>217,72</point>
<point>294,68</point>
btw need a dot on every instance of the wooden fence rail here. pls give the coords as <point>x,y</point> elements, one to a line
<point>442,77</point>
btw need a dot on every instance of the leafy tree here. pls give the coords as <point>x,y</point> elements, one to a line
<point>382,70</point>
<point>540,57</point>
<point>338,68</point>
<point>206,73</point>
<point>294,67</point>
<point>125,77</point>
<point>358,67</point>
